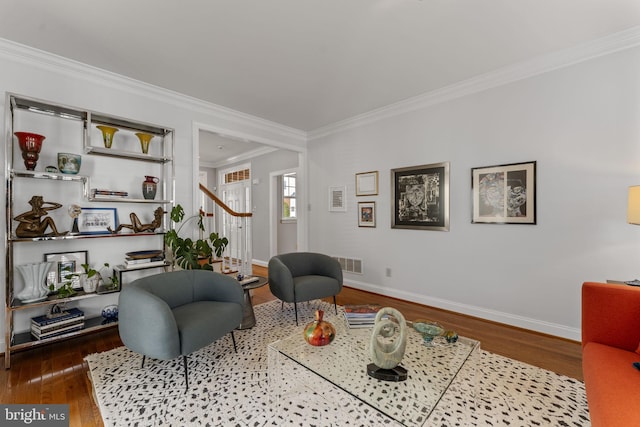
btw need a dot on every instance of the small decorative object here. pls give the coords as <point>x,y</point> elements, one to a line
<point>74,211</point>
<point>35,222</point>
<point>429,330</point>
<point>110,312</point>
<point>137,226</point>
<point>69,163</point>
<point>107,135</point>
<point>35,285</point>
<point>319,332</point>
<point>145,139</point>
<point>51,169</point>
<point>97,220</point>
<point>450,336</point>
<point>388,342</point>
<point>149,187</point>
<point>30,144</point>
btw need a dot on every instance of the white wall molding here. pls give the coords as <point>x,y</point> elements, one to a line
<point>475,311</point>
<point>622,40</point>
<point>37,58</point>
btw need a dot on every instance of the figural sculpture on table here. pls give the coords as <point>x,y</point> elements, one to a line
<point>388,343</point>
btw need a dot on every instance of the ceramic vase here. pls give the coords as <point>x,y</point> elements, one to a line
<point>107,135</point>
<point>149,187</point>
<point>319,332</point>
<point>145,139</point>
<point>89,284</point>
<point>30,145</point>
<point>35,286</point>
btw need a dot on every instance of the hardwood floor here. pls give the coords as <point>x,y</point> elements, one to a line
<point>57,373</point>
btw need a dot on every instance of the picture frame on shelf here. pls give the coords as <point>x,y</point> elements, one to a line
<point>504,194</point>
<point>367,183</point>
<point>66,264</point>
<point>338,199</point>
<point>420,197</point>
<point>97,220</point>
<point>366,214</point>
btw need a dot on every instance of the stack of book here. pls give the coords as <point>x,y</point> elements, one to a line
<point>52,325</point>
<point>98,193</point>
<point>361,316</point>
<point>153,261</point>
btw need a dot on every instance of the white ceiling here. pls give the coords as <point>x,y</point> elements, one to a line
<point>308,63</point>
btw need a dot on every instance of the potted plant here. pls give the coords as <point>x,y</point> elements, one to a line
<point>89,279</point>
<point>187,253</point>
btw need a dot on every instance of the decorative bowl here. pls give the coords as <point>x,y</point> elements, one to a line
<point>69,163</point>
<point>110,312</point>
<point>428,329</point>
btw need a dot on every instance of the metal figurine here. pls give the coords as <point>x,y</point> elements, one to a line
<point>137,226</point>
<point>35,222</point>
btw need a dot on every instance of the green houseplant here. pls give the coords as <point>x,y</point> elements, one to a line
<point>187,253</point>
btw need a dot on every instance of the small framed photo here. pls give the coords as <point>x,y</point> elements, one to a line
<point>420,197</point>
<point>338,199</point>
<point>97,220</point>
<point>367,183</point>
<point>66,267</point>
<point>366,214</point>
<point>504,194</point>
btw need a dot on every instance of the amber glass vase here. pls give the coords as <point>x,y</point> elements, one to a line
<point>319,332</point>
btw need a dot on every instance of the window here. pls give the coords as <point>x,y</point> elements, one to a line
<point>289,196</point>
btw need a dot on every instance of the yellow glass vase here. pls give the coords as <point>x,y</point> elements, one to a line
<point>107,135</point>
<point>145,139</point>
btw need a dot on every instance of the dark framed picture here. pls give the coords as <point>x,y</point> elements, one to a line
<point>97,220</point>
<point>420,197</point>
<point>366,214</point>
<point>66,267</point>
<point>504,194</point>
<point>367,183</point>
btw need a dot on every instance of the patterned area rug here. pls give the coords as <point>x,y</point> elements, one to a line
<point>232,389</point>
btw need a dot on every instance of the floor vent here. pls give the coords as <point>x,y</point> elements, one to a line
<point>351,265</point>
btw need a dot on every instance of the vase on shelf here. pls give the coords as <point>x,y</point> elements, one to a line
<point>35,286</point>
<point>107,134</point>
<point>30,145</point>
<point>149,187</point>
<point>319,332</point>
<point>145,139</point>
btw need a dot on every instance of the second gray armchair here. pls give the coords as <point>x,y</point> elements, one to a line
<point>304,276</point>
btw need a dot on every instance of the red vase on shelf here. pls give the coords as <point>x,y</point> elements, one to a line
<point>30,145</point>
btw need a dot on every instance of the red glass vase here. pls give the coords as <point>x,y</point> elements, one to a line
<point>30,145</point>
<point>319,332</point>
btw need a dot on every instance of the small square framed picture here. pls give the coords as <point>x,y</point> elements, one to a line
<point>367,183</point>
<point>366,214</point>
<point>66,267</point>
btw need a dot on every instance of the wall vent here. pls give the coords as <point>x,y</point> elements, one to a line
<point>350,265</point>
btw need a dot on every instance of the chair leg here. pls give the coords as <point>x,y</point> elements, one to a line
<point>295,308</point>
<point>233,338</point>
<point>335,305</point>
<point>186,375</point>
<point>143,358</point>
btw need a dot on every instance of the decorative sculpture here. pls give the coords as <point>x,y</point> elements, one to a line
<point>319,332</point>
<point>137,226</point>
<point>35,222</point>
<point>388,342</point>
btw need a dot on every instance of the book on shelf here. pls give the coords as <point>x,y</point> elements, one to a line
<point>48,319</point>
<point>135,261</point>
<point>57,332</point>
<point>96,193</point>
<point>57,325</point>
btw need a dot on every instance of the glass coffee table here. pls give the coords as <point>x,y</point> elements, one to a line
<point>343,363</point>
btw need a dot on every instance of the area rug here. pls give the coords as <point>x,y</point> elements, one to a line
<point>232,389</point>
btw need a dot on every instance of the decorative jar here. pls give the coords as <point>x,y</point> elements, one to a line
<point>149,187</point>
<point>30,145</point>
<point>107,135</point>
<point>319,332</point>
<point>145,139</point>
<point>69,163</point>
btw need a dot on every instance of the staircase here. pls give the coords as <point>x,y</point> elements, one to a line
<point>235,226</point>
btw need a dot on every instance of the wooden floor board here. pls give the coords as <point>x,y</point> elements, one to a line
<point>57,373</point>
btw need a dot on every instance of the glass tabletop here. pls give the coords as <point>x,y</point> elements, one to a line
<point>431,369</point>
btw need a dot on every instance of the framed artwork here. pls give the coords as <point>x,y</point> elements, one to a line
<point>338,199</point>
<point>66,264</point>
<point>420,197</point>
<point>504,194</point>
<point>367,183</point>
<point>97,220</point>
<point>366,214</point>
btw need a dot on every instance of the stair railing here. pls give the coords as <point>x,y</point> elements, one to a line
<point>235,226</point>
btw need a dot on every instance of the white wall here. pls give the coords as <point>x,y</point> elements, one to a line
<point>580,123</point>
<point>37,74</point>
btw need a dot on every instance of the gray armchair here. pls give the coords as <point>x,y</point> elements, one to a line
<point>174,314</point>
<point>304,276</point>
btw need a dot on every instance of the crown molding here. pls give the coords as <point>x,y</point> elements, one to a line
<point>613,43</point>
<point>51,62</point>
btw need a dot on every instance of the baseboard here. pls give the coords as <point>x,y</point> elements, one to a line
<point>536,325</point>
